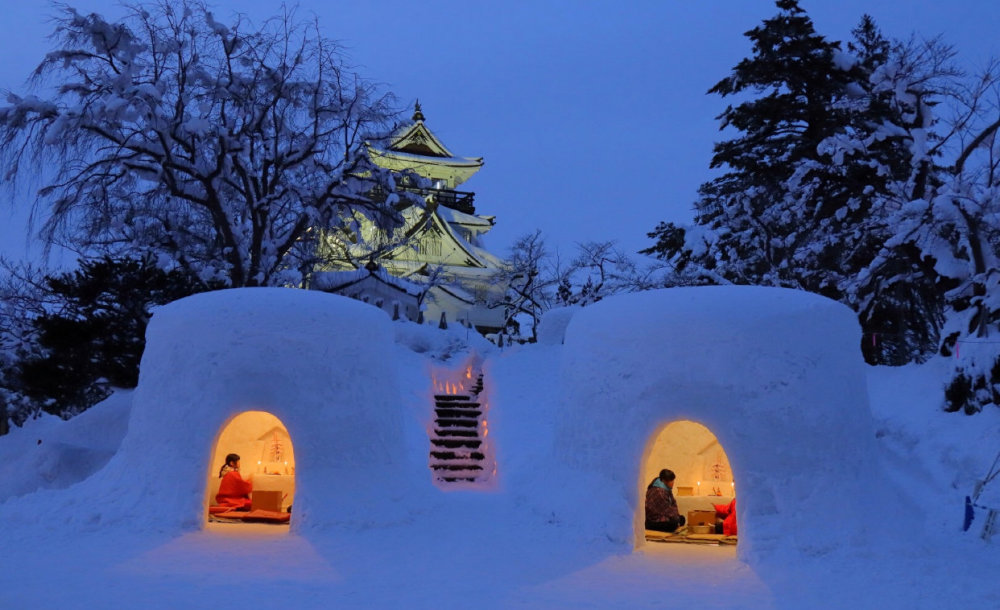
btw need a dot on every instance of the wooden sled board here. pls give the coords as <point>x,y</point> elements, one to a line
<point>268,516</point>
<point>217,518</point>
<point>685,538</point>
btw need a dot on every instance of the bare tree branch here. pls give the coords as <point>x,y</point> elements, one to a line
<point>221,145</point>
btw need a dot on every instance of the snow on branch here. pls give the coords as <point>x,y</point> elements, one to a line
<point>219,145</point>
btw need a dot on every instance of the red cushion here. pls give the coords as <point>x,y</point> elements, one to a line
<point>266,515</point>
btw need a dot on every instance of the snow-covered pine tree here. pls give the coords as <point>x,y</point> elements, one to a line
<point>803,201</point>
<point>955,226</point>
<point>770,211</point>
<point>220,147</point>
<point>760,222</point>
<point>91,338</point>
<point>881,159</point>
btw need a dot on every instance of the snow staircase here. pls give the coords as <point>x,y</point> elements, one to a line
<point>458,451</point>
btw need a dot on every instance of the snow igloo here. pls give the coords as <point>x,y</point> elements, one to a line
<point>773,375</point>
<point>295,382</point>
<point>758,389</point>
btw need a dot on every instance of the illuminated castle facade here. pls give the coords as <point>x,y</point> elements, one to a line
<point>434,263</point>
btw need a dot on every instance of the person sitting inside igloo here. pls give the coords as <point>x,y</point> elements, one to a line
<point>661,506</point>
<point>725,522</point>
<point>234,490</point>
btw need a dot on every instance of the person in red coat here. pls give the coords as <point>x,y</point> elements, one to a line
<point>661,506</point>
<point>727,514</point>
<point>234,491</point>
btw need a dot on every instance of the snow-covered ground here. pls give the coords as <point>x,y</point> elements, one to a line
<point>83,531</point>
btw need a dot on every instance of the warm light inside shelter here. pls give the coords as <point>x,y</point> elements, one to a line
<point>704,475</point>
<point>696,457</point>
<point>265,450</point>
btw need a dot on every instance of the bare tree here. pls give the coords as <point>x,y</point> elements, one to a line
<point>226,148</point>
<point>601,269</point>
<point>537,280</point>
<point>529,282</point>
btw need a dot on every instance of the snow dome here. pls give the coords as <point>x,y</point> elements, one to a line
<point>744,392</point>
<point>295,380</point>
<point>774,375</point>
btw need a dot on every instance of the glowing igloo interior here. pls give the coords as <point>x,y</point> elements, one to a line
<point>265,450</point>
<point>704,475</point>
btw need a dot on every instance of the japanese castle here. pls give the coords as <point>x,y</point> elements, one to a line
<point>435,263</point>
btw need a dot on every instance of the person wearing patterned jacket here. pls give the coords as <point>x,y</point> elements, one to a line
<point>661,506</point>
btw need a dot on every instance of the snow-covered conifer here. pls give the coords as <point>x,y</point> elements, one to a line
<point>91,335</point>
<point>820,151</point>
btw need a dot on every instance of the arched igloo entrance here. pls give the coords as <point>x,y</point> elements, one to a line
<point>267,459</point>
<point>704,478</point>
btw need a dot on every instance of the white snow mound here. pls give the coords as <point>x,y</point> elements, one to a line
<point>319,362</point>
<point>775,374</point>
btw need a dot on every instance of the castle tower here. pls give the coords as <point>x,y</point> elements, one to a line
<point>437,258</point>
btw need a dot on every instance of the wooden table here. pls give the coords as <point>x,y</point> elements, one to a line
<point>276,482</point>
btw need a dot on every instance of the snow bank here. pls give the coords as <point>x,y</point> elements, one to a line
<point>552,327</point>
<point>50,453</point>
<point>935,458</point>
<point>775,374</point>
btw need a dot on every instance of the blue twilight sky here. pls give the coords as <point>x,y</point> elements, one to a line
<point>591,115</point>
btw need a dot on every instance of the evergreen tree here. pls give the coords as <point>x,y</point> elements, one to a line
<point>811,179</point>
<point>94,340</point>
<point>767,209</point>
<point>765,215</point>
<point>880,160</point>
<point>564,293</point>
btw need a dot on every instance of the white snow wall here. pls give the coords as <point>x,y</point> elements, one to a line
<point>775,374</point>
<point>320,363</point>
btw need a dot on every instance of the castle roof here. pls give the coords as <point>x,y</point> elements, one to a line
<point>415,147</point>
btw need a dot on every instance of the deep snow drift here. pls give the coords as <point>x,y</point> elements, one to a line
<point>830,491</point>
